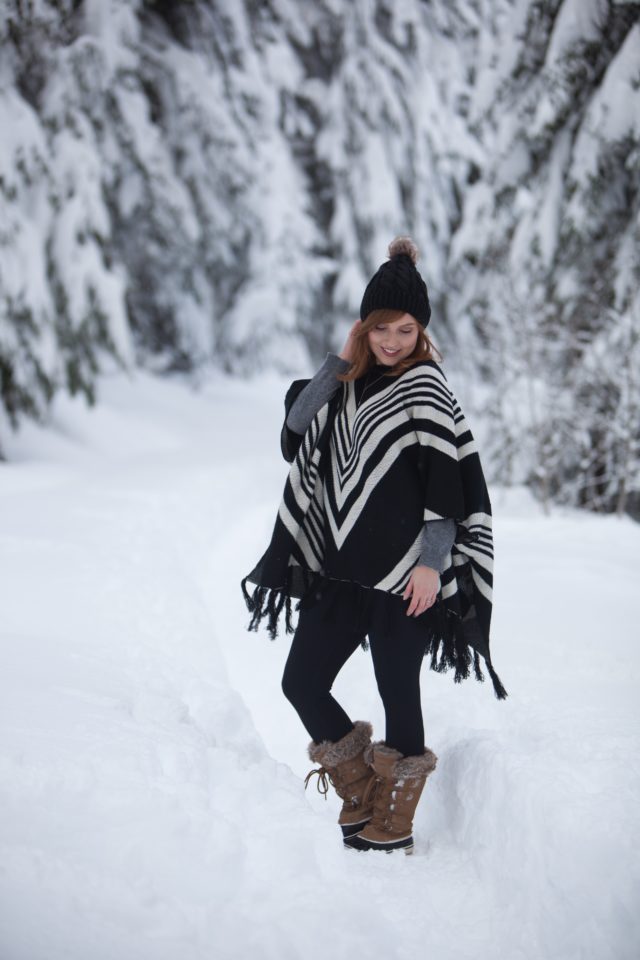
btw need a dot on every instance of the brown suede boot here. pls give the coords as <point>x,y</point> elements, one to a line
<point>343,765</point>
<point>396,790</point>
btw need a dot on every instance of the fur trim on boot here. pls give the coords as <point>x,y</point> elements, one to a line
<point>395,791</point>
<point>330,753</point>
<point>343,765</point>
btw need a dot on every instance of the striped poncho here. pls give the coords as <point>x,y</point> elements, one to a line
<point>368,472</point>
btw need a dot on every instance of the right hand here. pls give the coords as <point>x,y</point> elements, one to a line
<point>348,351</point>
<point>422,590</point>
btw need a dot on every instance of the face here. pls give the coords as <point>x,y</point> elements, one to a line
<point>392,342</point>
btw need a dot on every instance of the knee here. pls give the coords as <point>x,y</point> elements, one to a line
<point>297,686</point>
<point>290,687</point>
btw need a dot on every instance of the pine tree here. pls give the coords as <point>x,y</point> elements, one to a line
<point>213,183</point>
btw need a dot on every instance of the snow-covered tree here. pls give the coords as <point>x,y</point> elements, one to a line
<point>554,210</point>
<point>213,182</point>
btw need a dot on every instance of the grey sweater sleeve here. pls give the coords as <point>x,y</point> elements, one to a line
<point>437,540</point>
<point>316,393</point>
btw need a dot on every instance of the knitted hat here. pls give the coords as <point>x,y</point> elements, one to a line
<point>397,285</point>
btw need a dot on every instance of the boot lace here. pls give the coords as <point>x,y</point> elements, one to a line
<point>332,777</point>
<point>371,789</point>
<point>323,781</point>
<point>381,792</point>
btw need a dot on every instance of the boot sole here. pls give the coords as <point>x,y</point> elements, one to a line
<point>362,845</point>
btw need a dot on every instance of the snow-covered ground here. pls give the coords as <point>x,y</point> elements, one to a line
<point>151,796</point>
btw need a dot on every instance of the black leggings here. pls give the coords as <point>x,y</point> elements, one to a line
<point>332,624</point>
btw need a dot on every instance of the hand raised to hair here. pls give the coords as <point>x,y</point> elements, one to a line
<point>348,351</point>
<point>422,588</point>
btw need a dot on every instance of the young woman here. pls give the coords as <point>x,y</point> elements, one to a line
<point>383,534</point>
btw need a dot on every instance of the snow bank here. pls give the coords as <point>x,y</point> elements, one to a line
<point>150,770</point>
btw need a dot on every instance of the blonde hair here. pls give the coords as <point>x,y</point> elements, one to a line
<point>364,359</point>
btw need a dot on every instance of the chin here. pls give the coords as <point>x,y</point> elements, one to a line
<point>390,361</point>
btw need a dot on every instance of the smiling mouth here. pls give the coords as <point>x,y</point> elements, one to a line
<point>389,353</point>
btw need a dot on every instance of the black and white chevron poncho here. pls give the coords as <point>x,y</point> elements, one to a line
<point>363,480</point>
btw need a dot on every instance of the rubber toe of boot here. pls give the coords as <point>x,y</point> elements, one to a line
<point>350,829</point>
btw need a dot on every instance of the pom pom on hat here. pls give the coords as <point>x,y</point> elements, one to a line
<point>397,285</point>
<point>403,245</point>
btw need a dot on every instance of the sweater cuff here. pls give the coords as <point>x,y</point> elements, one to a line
<point>437,539</point>
<point>335,363</point>
<point>316,393</point>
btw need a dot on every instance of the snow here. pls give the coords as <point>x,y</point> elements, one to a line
<point>151,770</point>
<point>613,114</point>
<point>551,206</point>
<point>577,21</point>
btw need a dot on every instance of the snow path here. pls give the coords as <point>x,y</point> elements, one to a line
<point>151,803</point>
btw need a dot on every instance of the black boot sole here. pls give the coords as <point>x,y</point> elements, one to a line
<point>359,843</point>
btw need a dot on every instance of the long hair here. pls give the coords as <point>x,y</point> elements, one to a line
<point>364,359</point>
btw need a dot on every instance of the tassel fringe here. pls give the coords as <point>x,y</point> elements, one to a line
<point>448,650</point>
<point>446,644</point>
<point>266,604</point>
<point>476,667</point>
<point>500,691</point>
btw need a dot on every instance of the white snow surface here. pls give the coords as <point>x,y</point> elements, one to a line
<point>151,771</point>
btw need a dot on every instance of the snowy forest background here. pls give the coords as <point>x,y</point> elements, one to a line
<point>213,182</point>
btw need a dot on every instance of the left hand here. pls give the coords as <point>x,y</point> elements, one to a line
<point>422,588</point>
<point>348,351</point>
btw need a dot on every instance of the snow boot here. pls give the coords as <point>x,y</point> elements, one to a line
<point>396,790</point>
<point>343,765</point>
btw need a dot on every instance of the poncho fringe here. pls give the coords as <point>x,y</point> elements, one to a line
<point>446,646</point>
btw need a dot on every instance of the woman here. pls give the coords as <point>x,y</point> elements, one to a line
<point>384,532</point>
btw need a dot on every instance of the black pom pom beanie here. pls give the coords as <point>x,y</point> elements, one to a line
<point>397,285</point>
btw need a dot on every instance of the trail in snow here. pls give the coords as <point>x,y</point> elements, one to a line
<point>151,771</point>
